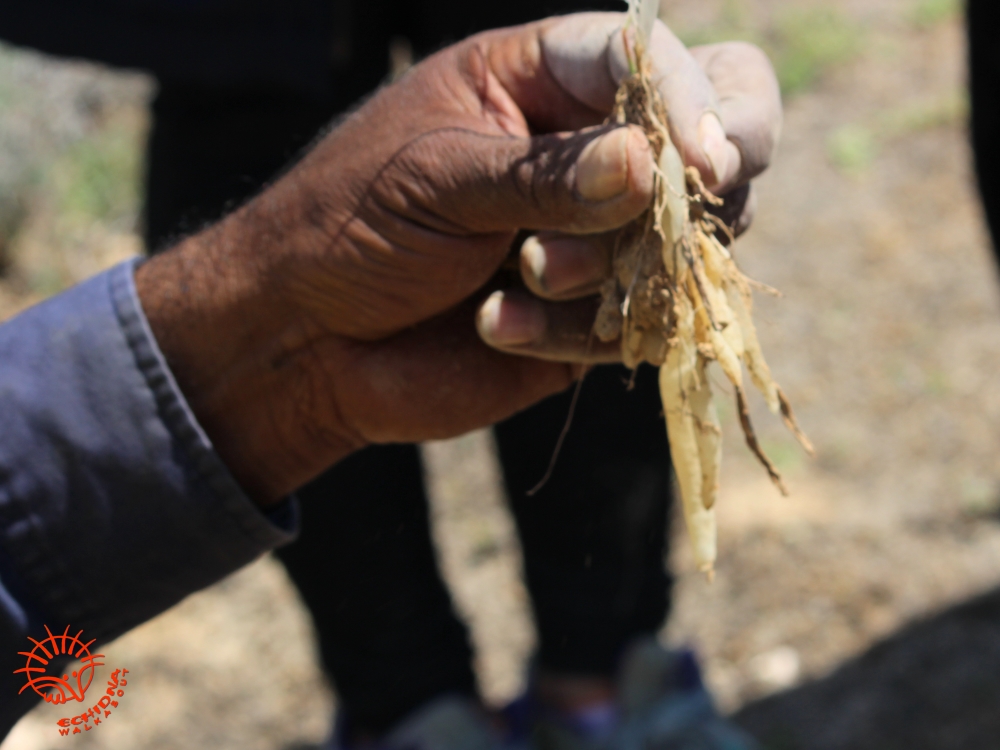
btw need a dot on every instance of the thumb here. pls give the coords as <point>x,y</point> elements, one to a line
<point>586,55</point>
<point>581,182</point>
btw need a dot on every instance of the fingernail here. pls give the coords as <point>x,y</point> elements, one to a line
<point>715,145</point>
<point>533,257</point>
<point>510,324</point>
<point>602,169</point>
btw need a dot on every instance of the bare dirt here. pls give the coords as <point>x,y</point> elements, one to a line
<point>844,616</point>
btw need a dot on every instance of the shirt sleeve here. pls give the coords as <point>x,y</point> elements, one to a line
<point>113,504</point>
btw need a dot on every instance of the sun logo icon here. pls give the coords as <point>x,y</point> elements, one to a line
<point>52,688</point>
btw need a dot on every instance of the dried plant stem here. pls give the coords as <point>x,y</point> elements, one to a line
<point>678,300</point>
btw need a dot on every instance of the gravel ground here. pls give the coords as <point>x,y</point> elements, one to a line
<point>862,611</point>
<point>70,166</point>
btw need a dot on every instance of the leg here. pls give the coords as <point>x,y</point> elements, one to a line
<point>365,566</point>
<point>984,51</point>
<point>594,537</point>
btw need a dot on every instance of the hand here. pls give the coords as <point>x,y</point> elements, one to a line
<point>327,313</point>
<point>333,311</point>
<point>725,117</point>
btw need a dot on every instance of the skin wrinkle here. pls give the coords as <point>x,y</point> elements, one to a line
<point>612,86</point>
<point>494,100</point>
<point>468,98</point>
<point>540,151</point>
<point>432,243</point>
<point>380,266</point>
<point>192,289</point>
<point>547,172</point>
<point>323,381</point>
<point>400,300</point>
<point>568,323</point>
<point>529,187</point>
<point>531,81</point>
<point>414,163</point>
<point>535,149</point>
<point>301,393</point>
<point>749,102</point>
<point>390,162</point>
<point>391,375</point>
<point>315,215</point>
<point>402,199</point>
<point>306,329</point>
<point>561,169</point>
<point>353,298</point>
<point>229,401</point>
<point>500,168</point>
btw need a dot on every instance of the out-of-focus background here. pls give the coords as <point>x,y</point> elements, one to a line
<point>860,612</point>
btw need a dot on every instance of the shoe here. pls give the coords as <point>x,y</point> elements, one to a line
<point>529,723</point>
<point>450,722</point>
<point>662,704</point>
<point>665,706</point>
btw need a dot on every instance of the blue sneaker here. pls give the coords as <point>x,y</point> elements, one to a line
<point>665,706</point>
<point>662,704</point>
<point>450,722</point>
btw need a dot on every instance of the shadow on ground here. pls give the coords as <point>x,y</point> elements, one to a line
<point>933,686</point>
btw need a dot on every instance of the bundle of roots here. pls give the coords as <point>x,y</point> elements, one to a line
<point>678,301</point>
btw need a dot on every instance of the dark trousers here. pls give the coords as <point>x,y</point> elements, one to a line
<point>983,21</point>
<point>593,539</point>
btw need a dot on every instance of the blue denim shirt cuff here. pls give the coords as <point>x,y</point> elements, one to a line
<point>180,421</point>
<point>113,503</point>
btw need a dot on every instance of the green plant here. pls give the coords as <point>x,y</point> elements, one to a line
<point>731,23</point>
<point>852,148</point>
<point>97,178</point>
<point>917,118</point>
<point>806,42</point>
<point>802,43</point>
<point>929,13</point>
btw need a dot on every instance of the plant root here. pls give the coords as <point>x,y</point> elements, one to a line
<point>677,300</point>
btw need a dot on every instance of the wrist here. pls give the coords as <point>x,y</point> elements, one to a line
<point>258,374</point>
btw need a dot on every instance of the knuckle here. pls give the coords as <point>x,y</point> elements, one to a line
<point>747,52</point>
<point>543,178</point>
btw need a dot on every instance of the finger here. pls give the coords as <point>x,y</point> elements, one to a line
<point>749,101</point>
<point>515,322</point>
<point>439,380</point>
<point>747,214</point>
<point>586,55</point>
<point>737,211</point>
<point>585,182</point>
<point>561,267</point>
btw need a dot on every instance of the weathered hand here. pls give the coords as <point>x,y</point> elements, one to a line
<point>332,311</point>
<point>725,116</point>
